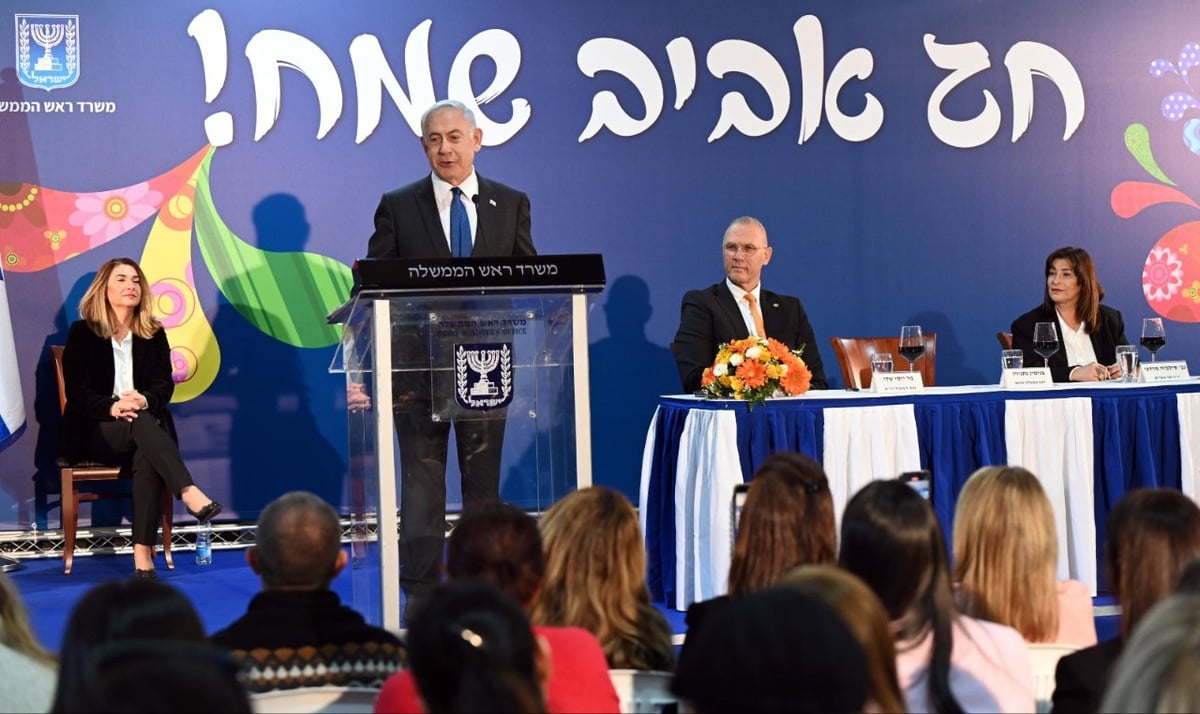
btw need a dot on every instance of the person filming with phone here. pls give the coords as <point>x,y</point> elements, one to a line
<point>1087,333</point>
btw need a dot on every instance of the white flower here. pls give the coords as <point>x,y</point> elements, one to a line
<point>720,369</point>
<point>735,359</point>
<point>754,352</point>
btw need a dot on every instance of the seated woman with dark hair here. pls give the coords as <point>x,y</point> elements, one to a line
<point>118,377</point>
<point>1153,533</point>
<point>945,662</point>
<point>471,649</point>
<point>787,521</point>
<point>1088,332</point>
<point>500,544</point>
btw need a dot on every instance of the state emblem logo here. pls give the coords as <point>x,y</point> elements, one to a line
<point>47,50</point>
<point>483,375</point>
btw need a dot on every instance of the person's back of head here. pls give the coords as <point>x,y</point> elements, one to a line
<point>116,611</point>
<point>150,676</point>
<point>1153,534</point>
<point>862,611</point>
<point>787,521</point>
<point>596,579</point>
<point>471,648</point>
<point>297,544</point>
<point>498,543</point>
<point>1006,551</point>
<point>1159,667</point>
<point>892,541</point>
<point>777,650</point>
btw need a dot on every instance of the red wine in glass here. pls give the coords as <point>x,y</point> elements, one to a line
<point>1154,344</point>
<point>1045,340</point>
<point>911,345</point>
<point>1153,336</point>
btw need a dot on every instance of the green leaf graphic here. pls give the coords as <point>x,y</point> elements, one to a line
<point>1137,140</point>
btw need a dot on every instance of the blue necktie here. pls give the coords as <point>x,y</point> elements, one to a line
<point>460,226</point>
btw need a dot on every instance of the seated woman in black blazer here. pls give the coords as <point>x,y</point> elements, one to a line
<point>117,369</point>
<point>1088,332</point>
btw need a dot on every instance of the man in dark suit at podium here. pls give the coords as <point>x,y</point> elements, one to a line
<point>453,212</point>
<point>723,312</point>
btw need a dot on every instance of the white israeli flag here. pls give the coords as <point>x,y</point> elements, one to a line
<point>12,403</point>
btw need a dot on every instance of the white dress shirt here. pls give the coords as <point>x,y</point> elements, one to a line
<point>443,195</point>
<point>122,364</point>
<point>739,297</point>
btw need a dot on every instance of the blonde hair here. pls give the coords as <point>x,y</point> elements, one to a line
<point>596,579</point>
<point>15,632</point>
<point>1006,551</point>
<point>94,307</point>
<point>863,612</point>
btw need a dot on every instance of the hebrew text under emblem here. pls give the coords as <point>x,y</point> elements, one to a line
<point>483,375</point>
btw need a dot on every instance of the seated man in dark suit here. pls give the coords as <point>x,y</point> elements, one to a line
<point>296,632</point>
<point>721,313</point>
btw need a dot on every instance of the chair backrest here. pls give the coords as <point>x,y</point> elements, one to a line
<point>1005,340</point>
<point>854,357</point>
<point>1044,657</point>
<point>309,700</point>
<point>56,353</point>
<point>642,692</point>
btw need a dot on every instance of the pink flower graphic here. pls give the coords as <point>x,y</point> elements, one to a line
<point>107,214</point>
<point>1162,276</point>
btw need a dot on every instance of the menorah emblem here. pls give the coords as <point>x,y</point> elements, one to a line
<point>492,387</point>
<point>57,65</point>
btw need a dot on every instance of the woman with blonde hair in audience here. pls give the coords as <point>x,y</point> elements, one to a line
<point>1005,555</point>
<point>29,671</point>
<point>863,612</point>
<point>1159,671</point>
<point>596,579</point>
<point>945,662</point>
<point>1153,533</point>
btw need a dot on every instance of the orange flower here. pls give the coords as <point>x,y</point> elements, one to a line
<point>797,380</point>
<point>743,345</point>
<point>778,350</point>
<point>708,377</point>
<point>752,373</point>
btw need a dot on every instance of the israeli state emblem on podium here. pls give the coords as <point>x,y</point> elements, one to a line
<point>47,50</point>
<point>483,375</point>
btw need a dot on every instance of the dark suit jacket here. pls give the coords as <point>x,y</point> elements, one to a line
<point>407,223</point>
<point>88,371</point>
<point>1111,332</point>
<point>710,317</point>
<point>1080,678</point>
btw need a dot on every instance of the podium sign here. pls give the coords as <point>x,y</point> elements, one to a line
<point>479,346</point>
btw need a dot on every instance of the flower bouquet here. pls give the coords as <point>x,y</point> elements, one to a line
<point>755,369</point>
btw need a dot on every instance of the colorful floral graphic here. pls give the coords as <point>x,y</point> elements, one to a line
<point>1163,275</point>
<point>107,214</point>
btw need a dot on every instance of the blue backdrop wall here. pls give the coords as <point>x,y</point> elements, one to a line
<point>914,162</point>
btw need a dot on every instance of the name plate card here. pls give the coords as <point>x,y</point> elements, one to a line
<point>1164,371</point>
<point>1026,378</point>
<point>896,382</point>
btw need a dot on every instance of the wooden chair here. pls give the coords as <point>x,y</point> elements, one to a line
<point>854,356</point>
<point>1005,340</point>
<point>84,473</point>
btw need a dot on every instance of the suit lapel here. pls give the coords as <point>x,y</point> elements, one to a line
<point>774,321</point>
<point>733,315</point>
<point>439,244</point>
<point>486,209</point>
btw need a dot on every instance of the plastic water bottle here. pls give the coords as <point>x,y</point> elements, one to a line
<point>204,544</point>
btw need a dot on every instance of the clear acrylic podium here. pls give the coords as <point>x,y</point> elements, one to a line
<point>474,339</point>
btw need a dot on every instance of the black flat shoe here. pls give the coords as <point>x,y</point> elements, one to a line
<point>206,514</point>
<point>148,574</point>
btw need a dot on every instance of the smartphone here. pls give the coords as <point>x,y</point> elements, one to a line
<point>920,481</point>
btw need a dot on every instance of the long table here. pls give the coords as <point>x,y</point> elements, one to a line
<point>1087,445</point>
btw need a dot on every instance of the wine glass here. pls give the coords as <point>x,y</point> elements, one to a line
<point>912,344</point>
<point>1153,337</point>
<point>1045,340</point>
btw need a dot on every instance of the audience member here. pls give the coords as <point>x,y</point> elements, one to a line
<point>472,650</point>
<point>500,544</point>
<point>29,670</point>
<point>1189,579</point>
<point>1159,671</point>
<point>787,521</point>
<point>596,579</point>
<point>297,632</point>
<point>1005,555</point>
<point>153,676</point>
<point>861,609</point>
<point>776,650</point>
<point>945,662</point>
<point>1153,533</point>
<point>139,610</point>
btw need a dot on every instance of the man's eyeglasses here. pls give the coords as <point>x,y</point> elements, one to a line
<point>747,250</point>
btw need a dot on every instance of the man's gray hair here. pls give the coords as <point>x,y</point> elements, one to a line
<point>743,221</point>
<point>448,104</point>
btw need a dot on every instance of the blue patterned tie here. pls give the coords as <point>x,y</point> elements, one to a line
<point>460,226</point>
